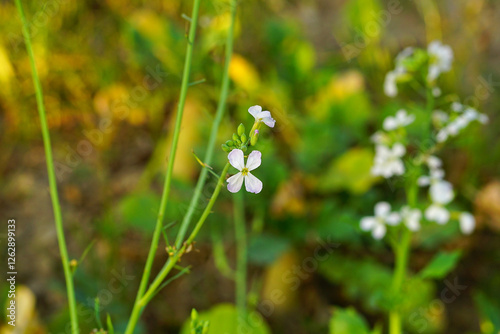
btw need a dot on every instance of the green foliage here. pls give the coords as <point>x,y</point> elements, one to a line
<point>140,210</point>
<point>441,265</point>
<point>223,318</point>
<point>490,312</point>
<point>264,249</point>
<point>348,321</point>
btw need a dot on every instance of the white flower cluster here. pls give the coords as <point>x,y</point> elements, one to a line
<point>387,161</point>
<point>383,217</point>
<point>462,116</point>
<point>440,60</point>
<point>441,193</point>
<point>236,157</point>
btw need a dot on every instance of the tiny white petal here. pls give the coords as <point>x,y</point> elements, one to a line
<point>441,192</point>
<point>255,110</point>
<point>398,149</point>
<point>393,219</point>
<point>437,213</point>
<point>390,123</point>
<point>234,183</point>
<point>368,223</point>
<point>253,184</point>
<point>236,159</point>
<point>424,181</point>
<point>378,231</point>
<point>467,223</point>
<point>382,209</point>
<point>254,160</point>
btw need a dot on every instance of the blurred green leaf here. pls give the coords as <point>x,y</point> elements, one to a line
<point>140,210</point>
<point>265,248</point>
<point>348,321</point>
<point>490,311</point>
<point>223,318</point>
<point>441,265</point>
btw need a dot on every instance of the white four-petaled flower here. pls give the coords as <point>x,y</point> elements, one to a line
<point>401,119</point>
<point>237,160</point>
<point>387,161</point>
<point>262,116</point>
<point>441,194</point>
<point>441,58</point>
<point>411,218</point>
<point>383,216</point>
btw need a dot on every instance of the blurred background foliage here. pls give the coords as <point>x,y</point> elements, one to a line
<point>111,72</point>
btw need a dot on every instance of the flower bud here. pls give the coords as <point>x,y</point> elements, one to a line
<point>241,129</point>
<point>226,148</point>
<point>230,143</point>
<point>243,138</point>
<point>244,148</point>
<point>254,138</point>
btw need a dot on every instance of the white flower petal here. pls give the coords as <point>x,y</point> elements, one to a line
<point>437,213</point>
<point>441,192</point>
<point>398,149</point>
<point>378,231</point>
<point>390,123</point>
<point>236,159</point>
<point>390,87</point>
<point>254,160</point>
<point>368,223</point>
<point>255,110</point>
<point>467,223</point>
<point>234,183</point>
<point>424,181</point>
<point>253,184</point>
<point>393,219</point>
<point>382,209</point>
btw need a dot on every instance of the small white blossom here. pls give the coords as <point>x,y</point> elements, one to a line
<point>435,176</point>
<point>411,218</point>
<point>440,116</point>
<point>441,59</point>
<point>437,213</point>
<point>467,222</point>
<point>401,119</point>
<point>436,92</point>
<point>390,82</point>
<point>387,161</point>
<point>262,116</point>
<point>457,107</point>
<point>237,160</point>
<point>441,194</point>
<point>433,162</point>
<point>383,216</point>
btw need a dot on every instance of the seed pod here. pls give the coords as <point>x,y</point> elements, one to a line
<point>241,129</point>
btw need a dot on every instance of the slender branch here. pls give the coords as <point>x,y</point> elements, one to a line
<point>172,261</point>
<point>213,133</point>
<point>51,174</point>
<point>241,250</point>
<point>166,187</point>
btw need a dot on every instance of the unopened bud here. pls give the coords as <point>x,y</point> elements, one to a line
<point>241,129</point>
<point>243,138</point>
<point>226,148</point>
<point>235,137</point>
<point>254,138</point>
<point>244,148</point>
<point>229,143</point>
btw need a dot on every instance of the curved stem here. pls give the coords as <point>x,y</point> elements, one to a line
<point>213,133</point>
<point>171,160</point>
<point>241,249</point>
<point>172,261</point>
<point>51,174</point>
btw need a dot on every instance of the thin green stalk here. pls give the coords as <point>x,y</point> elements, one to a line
<point>213,133</point>
<point>51,174</point>
<point>241,250</point>
<point>171,160</point>
<point>172,261</point>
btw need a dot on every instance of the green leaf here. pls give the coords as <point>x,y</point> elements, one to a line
<point>265,248</point>
<point>223,318</point>
<point>140,210</point>
<point>441,265</point>
<point>490,311</point>
<point>111,330</point>
<point>348,321</point>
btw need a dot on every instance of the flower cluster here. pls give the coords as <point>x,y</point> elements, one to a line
<point>437,60</point>
<point>388,151</point>
<point>461,117</point>
<point>390,147</point>
<point>238,145</point>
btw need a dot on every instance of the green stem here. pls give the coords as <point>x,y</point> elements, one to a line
<point>213,133</point>
<point>51,174</point>
<point>173,150</point>
<point>172,261</point>
<point>241,250</point>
